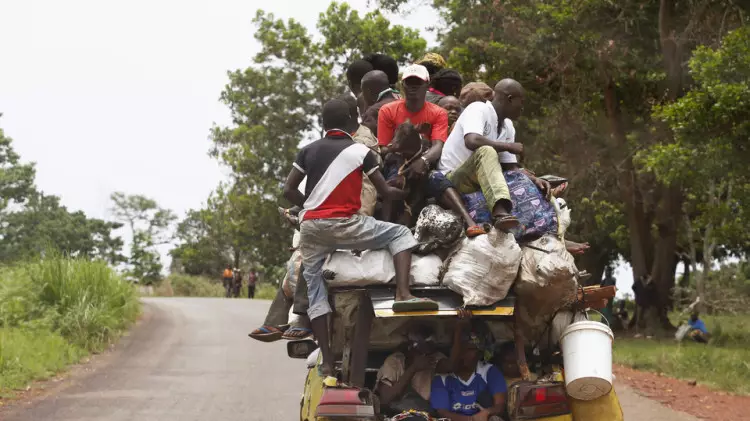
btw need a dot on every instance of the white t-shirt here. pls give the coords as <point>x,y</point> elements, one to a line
<point>480,118</point>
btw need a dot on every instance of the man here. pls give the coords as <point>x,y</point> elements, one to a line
<point>354,74</point>
<point>227,278</point>
<point>475,391</point>
<point>433,123</point>
<point>698,330</point>
<point>376,92</point>
<point>443,83</point>
<point>334,167</point>
<point>252,279</point>
<point>236,282</point>
<point>470,159</point>
<point>386,64</point>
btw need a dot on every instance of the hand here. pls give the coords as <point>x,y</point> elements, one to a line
<point>543,186</point>
<point>417,169</point>
<point>425,129</point>
<point>514,148</point>
<point>482,415</point>
<point>424,362</point>
<point>576,248</point>
<point>557,191</point>
<point>464,317</point>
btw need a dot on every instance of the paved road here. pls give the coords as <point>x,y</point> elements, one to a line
<point>191,360</point>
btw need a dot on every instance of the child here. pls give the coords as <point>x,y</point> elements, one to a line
<point>334,167</point>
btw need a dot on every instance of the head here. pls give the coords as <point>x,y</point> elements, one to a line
<point>434,62</point>
<point>694,317</point>
<point>447,81</point>
<point>373,83</point>
<point>385,64</point>
<point>420,340</point>
<point>508,99</point>
<point>340,114</point>
<point>416,82</point>
<point>453,106</point>
<point>406,140</point>
<point>507,361</point>
<point>354,74</point>
<point>474,92</point>
<point>472,350</point>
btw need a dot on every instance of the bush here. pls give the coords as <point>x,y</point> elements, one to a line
<point>189,286</point>
<point>55,310</point>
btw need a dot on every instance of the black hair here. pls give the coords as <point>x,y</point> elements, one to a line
<point>386,64</point>
<point>432,68</point>
<point>356,70</point>
<point>336,114</point>
<point>447,81</point>
<point>351,102</point>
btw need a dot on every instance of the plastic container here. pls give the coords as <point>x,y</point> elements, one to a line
<point>587,358</point>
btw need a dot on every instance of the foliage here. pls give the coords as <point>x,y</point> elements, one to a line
<point>189,286</point>
<point>44,224</point>
<point>149,226</point>
<point>16,179</point>
<point>55,310</point>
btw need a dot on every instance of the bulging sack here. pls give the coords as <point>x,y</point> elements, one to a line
<point>437,228</point>
<point>374,267</point>
<point>293,265</point>
<point>484,268</point>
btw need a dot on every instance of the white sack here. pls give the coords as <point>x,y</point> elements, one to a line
<point>293,265</point>
<point>484,268</point>
<point>376,267</point>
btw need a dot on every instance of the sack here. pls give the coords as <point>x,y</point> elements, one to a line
<point>484,268</point>
<point>476,205</point>
<point>546,283</point>
<point>293,266</point>
<point>375,267</point>
<point>563,216</point>
<point>437,228</point>
<point>682,331</point>
<point>535,213</point>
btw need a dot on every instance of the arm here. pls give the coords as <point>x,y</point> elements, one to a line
<point>444,413</point>
<point>499,390</point>
<point>448,365</point>
<point>474,141</point>
<point>383,189</point>
<point>390,392</point>
<point>498,406</point>
<point>291,187</point>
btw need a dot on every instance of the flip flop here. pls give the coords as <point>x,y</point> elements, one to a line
<point>505,221</point>
<point>288,335</point>
<point>475,231</point>
<point>414,304</point>
<point>266,334</point>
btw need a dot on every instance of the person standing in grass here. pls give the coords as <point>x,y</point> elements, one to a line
<point>227,279</point>
<point>252,279</point>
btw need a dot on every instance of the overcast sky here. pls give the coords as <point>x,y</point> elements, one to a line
<point>119,96</point>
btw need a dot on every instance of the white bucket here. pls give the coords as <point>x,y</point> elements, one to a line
<point>587,358</point>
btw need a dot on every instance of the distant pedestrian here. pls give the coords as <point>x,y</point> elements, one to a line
<point>236,282</point>
<point>227,280</point>
<point>252,279</point>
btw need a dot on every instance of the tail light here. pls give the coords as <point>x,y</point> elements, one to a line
<point>346,403</point>
<point>530,401</point>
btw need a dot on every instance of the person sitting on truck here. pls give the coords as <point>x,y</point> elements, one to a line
<point>376,92</point>
<point>433,124</point>
<point>446,82</point>
<point>483,133</point>
<point>475,390</point>
<point>354,73</point>
<point>334,167</point>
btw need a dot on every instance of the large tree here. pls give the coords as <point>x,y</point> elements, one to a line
<point>275,105</point>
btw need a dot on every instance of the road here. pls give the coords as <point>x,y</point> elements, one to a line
<point>191,360</point>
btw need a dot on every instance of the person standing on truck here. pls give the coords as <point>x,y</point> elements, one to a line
<point>227,278</point>
<point>334,167</point>
<point>475,390</point>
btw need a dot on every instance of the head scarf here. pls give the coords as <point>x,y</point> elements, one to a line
<point>475,91</point>
<point>433,62</point>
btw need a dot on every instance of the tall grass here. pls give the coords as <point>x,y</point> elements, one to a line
<point>56,310</point>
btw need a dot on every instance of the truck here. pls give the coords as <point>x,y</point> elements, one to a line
<point>364,332</point>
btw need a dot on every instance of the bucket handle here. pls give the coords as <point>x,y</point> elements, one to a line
<point>598,312</point>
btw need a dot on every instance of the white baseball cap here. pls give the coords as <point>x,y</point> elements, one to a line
<point>416,70</point>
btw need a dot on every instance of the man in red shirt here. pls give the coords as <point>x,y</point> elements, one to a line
<point>432,122</point>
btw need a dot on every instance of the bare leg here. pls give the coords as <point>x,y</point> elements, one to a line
<point>320,330</point>
<point>452,200</point>
<point>402,263</point>
<point>386,211</point>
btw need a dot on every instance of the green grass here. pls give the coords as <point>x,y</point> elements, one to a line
<point>54,311</point>
<point>200,286</point>
<point>722,364</point>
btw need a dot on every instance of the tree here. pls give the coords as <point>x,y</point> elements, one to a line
<point>43,224</point>
<point>275,105</point>
<point>16,179</point>
<point>149,226</point>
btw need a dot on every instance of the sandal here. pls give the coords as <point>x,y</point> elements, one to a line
<point>266,334</point>
<point>297,333</point>
<point>475,231</point>
<point>505,221</point>
<point>414,304</point>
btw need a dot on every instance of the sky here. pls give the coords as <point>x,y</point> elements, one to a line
<point>111,96</point>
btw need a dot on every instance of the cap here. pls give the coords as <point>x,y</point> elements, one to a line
<point>416,70</point>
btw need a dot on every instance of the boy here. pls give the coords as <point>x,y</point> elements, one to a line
<point>334,167</point>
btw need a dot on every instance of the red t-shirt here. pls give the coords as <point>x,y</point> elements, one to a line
<point>395,113</point>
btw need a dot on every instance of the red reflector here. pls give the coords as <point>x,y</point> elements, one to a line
<point>340,396</point>
<point>540,395</point>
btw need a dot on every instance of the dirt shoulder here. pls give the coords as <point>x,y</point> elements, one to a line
<point>680,395</point>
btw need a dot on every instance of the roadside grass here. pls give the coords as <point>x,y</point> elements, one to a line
<point>722,364</point>
<point>178,285</point>
<point>55,311</point>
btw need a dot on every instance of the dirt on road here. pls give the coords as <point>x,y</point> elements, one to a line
<point>191,360</point>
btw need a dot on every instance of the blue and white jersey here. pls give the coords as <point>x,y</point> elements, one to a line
<point>451,393</point>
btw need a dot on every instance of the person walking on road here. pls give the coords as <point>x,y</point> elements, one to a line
<point>227,278</point>
<point>252,278</point>
<point>236,282</point>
